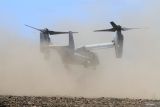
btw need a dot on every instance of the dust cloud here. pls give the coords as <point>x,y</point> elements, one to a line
<point>25,71</point>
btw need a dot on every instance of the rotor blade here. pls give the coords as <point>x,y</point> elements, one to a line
<point>34,28</point>
<point>113,24</point>
<point>106,30</point>
<point>125,29</point>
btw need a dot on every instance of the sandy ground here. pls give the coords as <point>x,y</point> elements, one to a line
<point>32,101</point>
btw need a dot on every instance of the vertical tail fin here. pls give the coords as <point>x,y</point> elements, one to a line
<point>71,40</point>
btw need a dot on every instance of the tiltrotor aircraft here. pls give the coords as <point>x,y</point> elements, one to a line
<point>82,55</point>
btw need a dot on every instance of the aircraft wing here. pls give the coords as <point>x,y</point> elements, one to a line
<point>99,46</point>
<point>55,46</point>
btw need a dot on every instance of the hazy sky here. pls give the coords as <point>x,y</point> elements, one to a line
<point>37,12</point>
<point>71,14</point>
<point>48,12</point>
<point>137,74</point>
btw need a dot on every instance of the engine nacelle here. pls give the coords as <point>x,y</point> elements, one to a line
<point>118,42</point>
<point>44,42</point>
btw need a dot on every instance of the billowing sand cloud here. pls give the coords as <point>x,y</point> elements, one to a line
<point>24,71</point>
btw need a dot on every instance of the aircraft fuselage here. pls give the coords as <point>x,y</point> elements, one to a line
<point>78,56</point>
